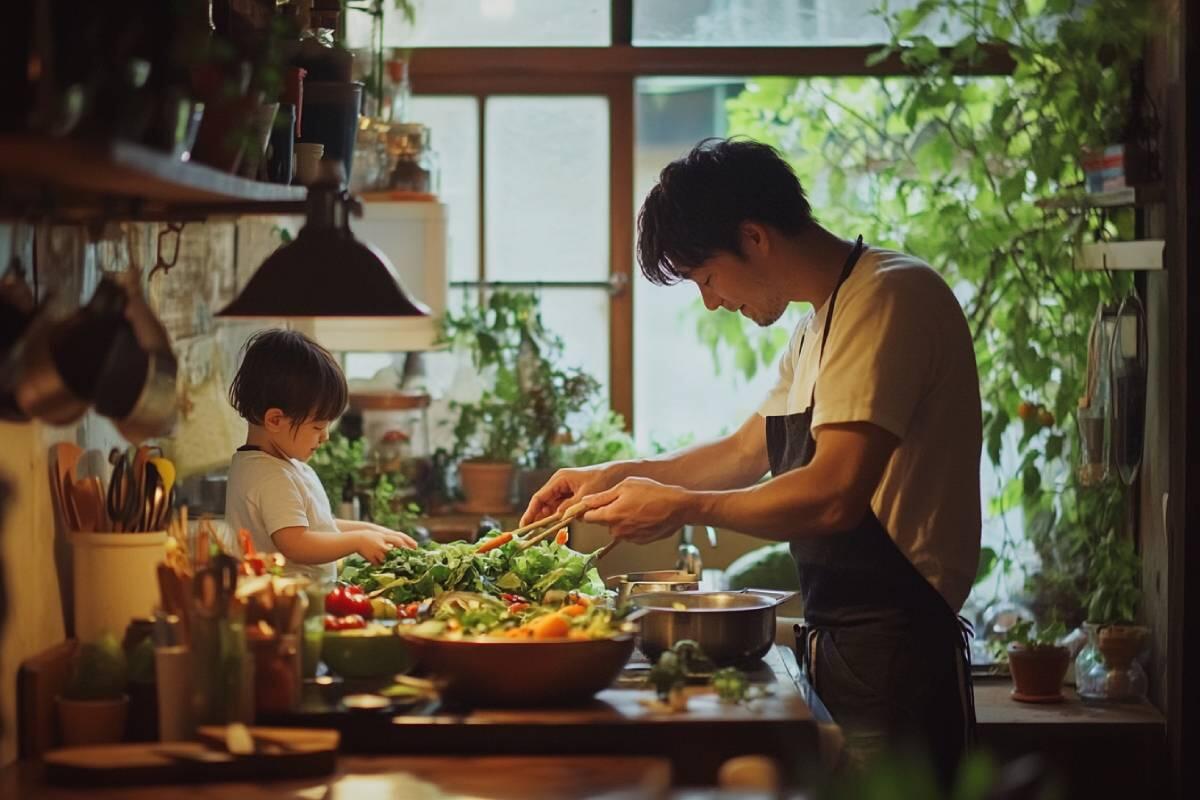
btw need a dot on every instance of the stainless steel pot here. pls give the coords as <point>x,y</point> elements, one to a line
<point>662,580</point>
<point>730,627</point>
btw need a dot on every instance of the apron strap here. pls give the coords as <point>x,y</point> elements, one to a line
<point>851,260</point>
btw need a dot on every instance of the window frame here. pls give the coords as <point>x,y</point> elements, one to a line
<point>613,71</point>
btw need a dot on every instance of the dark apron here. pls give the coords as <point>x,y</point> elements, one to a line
<point>884,651</point>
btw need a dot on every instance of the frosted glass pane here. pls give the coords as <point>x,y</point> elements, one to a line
<point>767,22</point>
<point>454,124</point>
<point>580,318</point>
<point>490,23</point>
<point>547,188</point>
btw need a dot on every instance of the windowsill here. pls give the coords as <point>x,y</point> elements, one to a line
<point>995,709</point>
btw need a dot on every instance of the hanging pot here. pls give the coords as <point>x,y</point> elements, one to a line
<point>137,387</point>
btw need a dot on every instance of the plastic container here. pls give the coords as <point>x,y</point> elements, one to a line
<point>116,579</point>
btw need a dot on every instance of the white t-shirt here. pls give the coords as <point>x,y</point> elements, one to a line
<point>266,494</point>
<point>900,356</point>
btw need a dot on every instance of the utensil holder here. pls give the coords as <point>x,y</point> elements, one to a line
<point>115,579</point>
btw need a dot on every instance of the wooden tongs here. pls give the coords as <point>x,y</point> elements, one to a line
<point>528,535</point>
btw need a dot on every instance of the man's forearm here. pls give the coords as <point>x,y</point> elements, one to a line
<point>782,509</point>
<point>731,462</point>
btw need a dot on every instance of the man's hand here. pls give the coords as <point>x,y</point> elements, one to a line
<point>639,509</point>
<point>373,545</point>
<point>566,487</point>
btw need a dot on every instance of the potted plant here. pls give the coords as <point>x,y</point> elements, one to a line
<point>1037,662</point>
<point>93,707</point>
<point>522,418</point>
<point>1107,668</point>
<point>488,437</point>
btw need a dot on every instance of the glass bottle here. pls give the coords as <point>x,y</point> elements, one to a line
<point>414,166</point>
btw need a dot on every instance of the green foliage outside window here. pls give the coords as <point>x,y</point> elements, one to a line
<point>950,169</point>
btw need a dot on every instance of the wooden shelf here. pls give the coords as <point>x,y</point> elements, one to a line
<point>127,170</point>
<point>1117,198</point>
<point>1142,254</point>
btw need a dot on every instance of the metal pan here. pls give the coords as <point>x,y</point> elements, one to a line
<point>662,580</point>
<point>730,627</point>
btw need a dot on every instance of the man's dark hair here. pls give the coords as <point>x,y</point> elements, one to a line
<point>700,201</point>
<point>287,370</point>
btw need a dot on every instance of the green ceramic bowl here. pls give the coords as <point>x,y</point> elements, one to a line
<point>371,652</point>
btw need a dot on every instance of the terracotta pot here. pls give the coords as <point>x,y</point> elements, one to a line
<point>487,486</point>
<point>1038,672</point>
<point>92,721</point>
<point>1120,645</point>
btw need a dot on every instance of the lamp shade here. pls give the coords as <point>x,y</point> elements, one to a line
<point>325,272</point>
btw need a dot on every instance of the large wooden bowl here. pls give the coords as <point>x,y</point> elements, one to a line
<point>506,673</point>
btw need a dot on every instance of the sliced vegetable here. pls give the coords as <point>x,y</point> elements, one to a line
<point>551,626</point>
<point>494,542</point>
<point>561,537</point>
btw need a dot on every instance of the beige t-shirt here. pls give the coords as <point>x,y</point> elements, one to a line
<point>266,494</point>
<point>900,356</point>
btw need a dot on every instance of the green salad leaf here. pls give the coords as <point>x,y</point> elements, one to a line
<point>432,569</point>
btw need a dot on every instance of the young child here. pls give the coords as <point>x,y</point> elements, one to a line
<point>289,389</point>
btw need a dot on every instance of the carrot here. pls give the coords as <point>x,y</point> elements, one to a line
<point>561,537</point>
<point>551,626</point>
<point>494,542</point>
<point>574,610</point>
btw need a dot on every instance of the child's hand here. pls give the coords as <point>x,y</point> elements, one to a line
<point>373,545</point>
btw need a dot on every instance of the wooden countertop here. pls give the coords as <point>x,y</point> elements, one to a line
<point>498,777</point>
<point>617,723</point>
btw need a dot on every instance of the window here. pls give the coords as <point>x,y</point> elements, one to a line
<point>490,23</point>
<point>759,23</point>
<point>556,147</point>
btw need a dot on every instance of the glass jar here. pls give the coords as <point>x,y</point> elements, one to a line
<point>1107,668</point>
<point>414,164</point>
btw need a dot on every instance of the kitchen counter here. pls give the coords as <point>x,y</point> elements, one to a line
<point>696,742</point>
<point>494,777</point>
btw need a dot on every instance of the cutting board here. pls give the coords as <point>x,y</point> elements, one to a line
<point>288,753</point>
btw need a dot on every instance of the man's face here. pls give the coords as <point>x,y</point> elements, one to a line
<point>737,283</point>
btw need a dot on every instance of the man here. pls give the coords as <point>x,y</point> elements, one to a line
<point>872,435</point>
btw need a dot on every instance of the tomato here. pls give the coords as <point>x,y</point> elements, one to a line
<point>512,598</point>
<point>346,600</point>
<point>517,608</point>
<point>561,537</point>
<point>1046,417</point>
<point>412,610</point>
<point>1026,410</point>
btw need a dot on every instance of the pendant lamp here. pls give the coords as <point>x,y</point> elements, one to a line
<point>326,282</point>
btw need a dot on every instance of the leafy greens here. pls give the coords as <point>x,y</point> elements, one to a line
<point>433,569</point>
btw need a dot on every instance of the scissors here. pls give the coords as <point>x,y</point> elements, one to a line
<point>123,491</point>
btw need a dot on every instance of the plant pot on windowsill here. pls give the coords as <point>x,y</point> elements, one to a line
<point>487,485</point>
<point>1038,671</point>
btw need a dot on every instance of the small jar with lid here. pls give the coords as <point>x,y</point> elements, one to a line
<point>414,164</point>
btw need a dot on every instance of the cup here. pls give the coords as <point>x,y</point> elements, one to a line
<point>308,161</point>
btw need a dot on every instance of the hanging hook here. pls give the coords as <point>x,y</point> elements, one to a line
<point>161,263</point>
